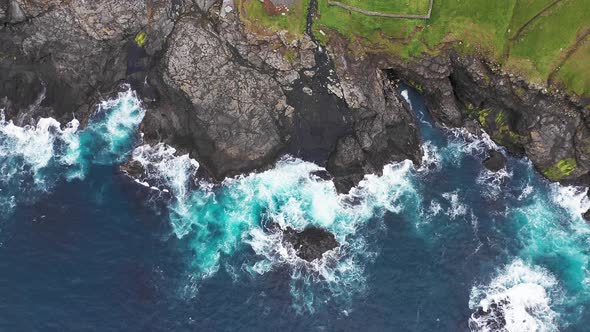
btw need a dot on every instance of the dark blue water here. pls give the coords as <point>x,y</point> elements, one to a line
<point>84,248</point>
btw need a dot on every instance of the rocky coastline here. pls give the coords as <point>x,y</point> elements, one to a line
<point>237,100</point>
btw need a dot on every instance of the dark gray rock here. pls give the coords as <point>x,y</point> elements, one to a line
<point>311,243</point>
<point>133,168</point>
<point>493,318</point>
<point>495,161</point>
<point>15,13</point>
<point>431,75</point>
<point>548,128</point>
<point>384,130</point>
<point>236,108</point>
<point>69,54</point>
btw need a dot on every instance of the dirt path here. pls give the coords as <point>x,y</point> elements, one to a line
<point>371,13</point>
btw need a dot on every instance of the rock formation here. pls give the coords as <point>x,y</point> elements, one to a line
<point>495,161</point>
<point>236,100</point>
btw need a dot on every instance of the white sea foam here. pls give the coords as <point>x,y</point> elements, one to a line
<point>163,168</point>
<point>456,208</point>
<point>34,158</point>
<point>526,191</point>
<point>573,199</point>
<point>518,299</point>
<point>463,142</point>
<point>405,94</point>
<point>493,182</point>
<point>431,158</point>
<point>219,220</point>
<point>36,145</point>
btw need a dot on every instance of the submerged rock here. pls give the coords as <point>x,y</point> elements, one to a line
<point>492,318</point>
<point>311,243</point>
<point>133,168</point>
<point>495,161</point>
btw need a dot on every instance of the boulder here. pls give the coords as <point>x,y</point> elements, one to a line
<point>495,161</point>
<point>133,168</point>
<point>311,243</point>
<point>491,319</point>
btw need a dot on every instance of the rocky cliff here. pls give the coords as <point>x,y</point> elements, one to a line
<point>237,100</point>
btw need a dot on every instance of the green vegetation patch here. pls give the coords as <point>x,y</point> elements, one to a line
<point>256,18</point>
<point>503,133</point>
<point>479,114</point>
<point>533,38</point>
<point>496,123</point>
<point>561,169</point>
<point>141,38</point>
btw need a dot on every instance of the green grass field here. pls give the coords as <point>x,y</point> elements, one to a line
<point>253,14</point>
<point>538,39</point>
<point>390,7</point>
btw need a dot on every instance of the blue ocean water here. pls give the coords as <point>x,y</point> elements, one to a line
<point>84,248</point>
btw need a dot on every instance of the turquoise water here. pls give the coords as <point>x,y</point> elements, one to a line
<point>85,248</point>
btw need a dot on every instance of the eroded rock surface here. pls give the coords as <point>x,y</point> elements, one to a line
<point>311,243</point>
<point>549,128</point>
<point>236,99</point>
<point>384,131</point>
<point>495,161</point>
<point>235,107</point>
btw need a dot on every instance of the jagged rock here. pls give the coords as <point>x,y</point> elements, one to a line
<point>133,168</point>
<point>493,318</point>
<point>235,107</point>
<point>549,129</point>
<point>322,174</point>
<point>311,243</point>
<point>431,76</point>
<point>234,98</point>
<point>204,5</point>
<point>384,131</point>
<point>75,50</point>
<point>586,215</point>
<point>473,127</point>
<point>3,10</point>
<point>348,164</point>
<point>15,13</point>
<point>34,8</point>
<point>495,161</point>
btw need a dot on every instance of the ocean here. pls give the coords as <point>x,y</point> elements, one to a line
<point>447,246</point>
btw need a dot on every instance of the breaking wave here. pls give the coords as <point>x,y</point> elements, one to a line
<point>518,299</point>
<point>219,220</point>
<point>34,159</point>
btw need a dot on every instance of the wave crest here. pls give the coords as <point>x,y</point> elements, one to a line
<point>518,299</point>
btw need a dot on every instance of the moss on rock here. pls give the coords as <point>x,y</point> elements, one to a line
<point>561,169</point>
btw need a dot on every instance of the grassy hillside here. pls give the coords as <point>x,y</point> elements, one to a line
<point>390,7</point>
<point>543,40</point>
<point>256,17</point>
